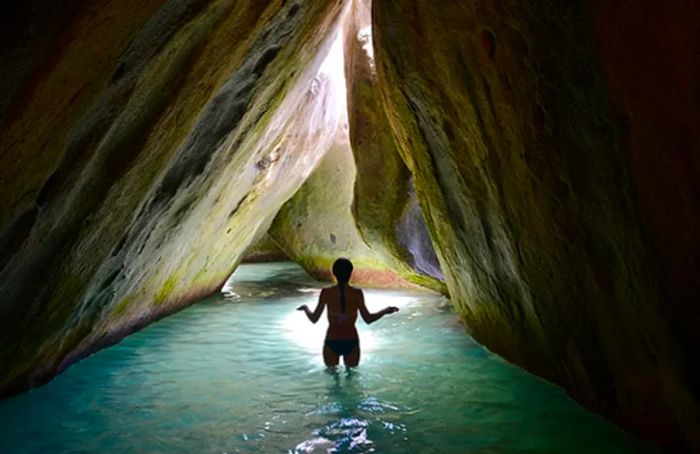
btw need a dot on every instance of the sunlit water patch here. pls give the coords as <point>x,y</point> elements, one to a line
<point>242,372</point>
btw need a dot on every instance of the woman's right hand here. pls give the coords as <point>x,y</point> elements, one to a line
<point>391,310</point>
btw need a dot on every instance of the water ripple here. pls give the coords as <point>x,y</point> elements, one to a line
<point>242,372</point>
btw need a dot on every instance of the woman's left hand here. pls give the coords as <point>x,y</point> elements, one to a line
<point>303,307</point>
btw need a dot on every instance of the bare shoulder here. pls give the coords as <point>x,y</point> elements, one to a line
<point>356,292</point>
<point>326,291</point>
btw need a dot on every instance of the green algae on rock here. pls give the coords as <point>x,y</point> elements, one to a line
<point>154,181</point>
<point>359,202</point>
<point>316,225</point>
<point>548,150</point>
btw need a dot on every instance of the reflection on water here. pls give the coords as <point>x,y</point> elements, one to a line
<point>243,373</point>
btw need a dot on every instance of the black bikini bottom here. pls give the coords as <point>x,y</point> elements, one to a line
<point>342,347</point>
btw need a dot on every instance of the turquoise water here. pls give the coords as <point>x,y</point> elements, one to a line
<point>242,372</point>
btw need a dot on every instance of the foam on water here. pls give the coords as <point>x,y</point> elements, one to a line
<point>242,372</point>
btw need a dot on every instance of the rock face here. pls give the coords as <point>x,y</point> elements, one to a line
<point>554,149</point>
<point>385,208</point>
<point>144,146</point>
<point>265,250</point>
<point>359,203</point>
<point>316,226</point>
<point>548,150</point>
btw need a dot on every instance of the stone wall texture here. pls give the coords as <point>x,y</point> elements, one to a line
<point>144,145</point>
<point>540,157</point>
<point>554,150</point>
<point>359,203</point>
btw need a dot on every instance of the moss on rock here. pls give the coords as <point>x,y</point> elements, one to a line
<point>521,167</point>
<point>359,202</point>
<point>153,145</point>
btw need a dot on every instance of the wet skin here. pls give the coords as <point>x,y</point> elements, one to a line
<point>341,325</point>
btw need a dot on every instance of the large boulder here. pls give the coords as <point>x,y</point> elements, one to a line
<point>264,250</point>
<point>384,205</point>
<point>145,145</point>
<point>554,150</point>
<point>360,203</point>
<point>548,150</point>
<point>316,226</point>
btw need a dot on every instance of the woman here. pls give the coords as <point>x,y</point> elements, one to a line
<point>343,302</point>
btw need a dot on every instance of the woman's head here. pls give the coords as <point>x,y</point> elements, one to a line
<point>342,269</point>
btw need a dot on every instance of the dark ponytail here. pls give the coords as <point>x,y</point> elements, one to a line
<point>342,297</point>
<point>342,269</point>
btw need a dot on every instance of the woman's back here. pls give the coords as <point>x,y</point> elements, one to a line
<point>341,323</point>
<point>343,303</point>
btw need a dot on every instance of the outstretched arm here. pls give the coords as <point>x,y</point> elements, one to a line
<point>316,314</point>
<point>370,317</point>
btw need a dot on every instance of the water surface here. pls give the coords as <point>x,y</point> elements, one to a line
<point>242,372</point>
